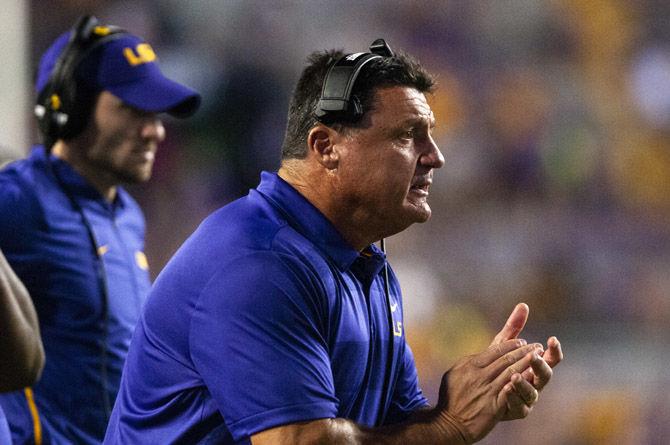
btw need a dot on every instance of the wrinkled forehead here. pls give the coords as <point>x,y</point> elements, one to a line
<point>402,103</point>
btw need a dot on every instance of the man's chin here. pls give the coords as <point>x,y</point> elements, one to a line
<point>420,212</point>
<point>134,177</point>
<point>423,217</point>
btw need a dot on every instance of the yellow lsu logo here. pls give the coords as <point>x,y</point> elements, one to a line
<point>141,260</point>
<point>143,53</point>
<point>397,329</point>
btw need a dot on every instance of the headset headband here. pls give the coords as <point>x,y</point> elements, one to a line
<point>336,102</point>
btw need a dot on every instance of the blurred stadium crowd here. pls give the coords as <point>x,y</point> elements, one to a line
<point>554,119</point>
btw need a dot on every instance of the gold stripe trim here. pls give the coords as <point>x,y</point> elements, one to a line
<point>37,426</point>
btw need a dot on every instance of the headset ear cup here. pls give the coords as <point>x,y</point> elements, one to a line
<point>49,119</point>
<point>79,107</point>
<point>69,117</point>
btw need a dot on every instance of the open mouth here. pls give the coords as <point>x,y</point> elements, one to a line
<point>421,188</point>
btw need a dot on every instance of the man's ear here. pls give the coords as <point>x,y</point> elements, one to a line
<point>320,143</point>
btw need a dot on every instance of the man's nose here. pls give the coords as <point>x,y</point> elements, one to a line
<point>433,156</point>
<point>154,129</point>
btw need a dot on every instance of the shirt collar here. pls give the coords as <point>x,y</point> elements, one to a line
<point>307,219</point>
<point>76,184</point>
<point>369,263</point>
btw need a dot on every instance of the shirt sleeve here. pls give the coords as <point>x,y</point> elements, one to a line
<point>407,396</point>
<point>257,341</point>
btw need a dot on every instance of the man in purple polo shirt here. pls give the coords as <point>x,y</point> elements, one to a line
<point>279,320</point>
<point>73,235</point>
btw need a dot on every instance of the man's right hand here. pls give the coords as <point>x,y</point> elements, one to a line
<point>470,390</point>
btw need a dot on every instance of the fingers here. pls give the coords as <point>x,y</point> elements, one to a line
<point>554,354</point>
<point>514,324</point>
<point>525,390</point>
<point>495,351</point>
<point>552,357</point>
<point>513,363</point>
<point>541,372</point>
<point>517,397</point>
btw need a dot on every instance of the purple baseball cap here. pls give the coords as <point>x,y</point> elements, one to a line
<point>127,67</point>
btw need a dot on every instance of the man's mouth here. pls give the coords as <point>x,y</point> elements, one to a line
<point>421,188</point>
<point>146,155</point>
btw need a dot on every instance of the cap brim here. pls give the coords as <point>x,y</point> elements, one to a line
<point>158,94</point>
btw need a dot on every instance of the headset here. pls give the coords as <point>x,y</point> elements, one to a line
<point>64,105</point>
<point>337,104</point>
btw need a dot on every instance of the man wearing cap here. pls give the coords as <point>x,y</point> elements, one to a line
<point>73,235</point>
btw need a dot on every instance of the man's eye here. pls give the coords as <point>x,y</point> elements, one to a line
<point>135,111</point>
<point>409,134</point>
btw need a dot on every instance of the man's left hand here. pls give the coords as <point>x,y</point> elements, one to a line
<point>522,392</point>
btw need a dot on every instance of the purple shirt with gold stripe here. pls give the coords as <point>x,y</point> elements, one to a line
<point>87,307</point>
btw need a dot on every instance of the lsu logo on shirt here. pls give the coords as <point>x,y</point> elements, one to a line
<point>141,260</point>
<point>397,325</point>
